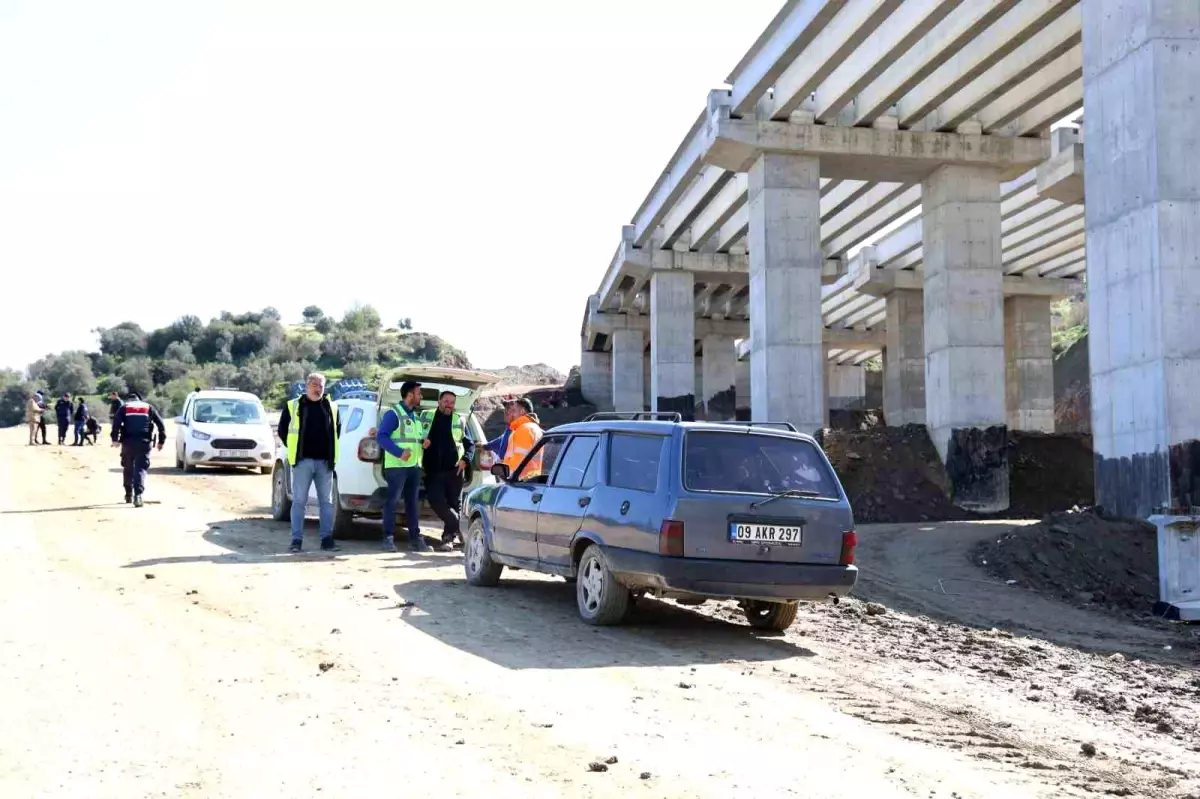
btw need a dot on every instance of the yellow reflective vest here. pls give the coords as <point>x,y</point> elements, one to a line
<point>293,433</point>
<point>408,435</point>
<point>457,429</point>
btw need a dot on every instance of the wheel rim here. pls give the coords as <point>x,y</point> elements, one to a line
<point>476,552</point>
<point>277,491</point>
<point>591,585</point>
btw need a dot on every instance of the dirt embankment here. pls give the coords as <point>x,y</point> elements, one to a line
<point>1079,557</point>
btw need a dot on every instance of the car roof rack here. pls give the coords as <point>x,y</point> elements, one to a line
<point>221,388</point>
<point>635,416</point>
<point>748,425</point>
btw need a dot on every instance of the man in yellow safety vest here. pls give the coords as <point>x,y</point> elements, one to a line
<point>309,430</point>
<point>445,461</point>
<point>401,436</point>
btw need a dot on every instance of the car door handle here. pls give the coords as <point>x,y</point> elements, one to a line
<point>585,501</point>
<point>624,507</point>
<point>536,498</point>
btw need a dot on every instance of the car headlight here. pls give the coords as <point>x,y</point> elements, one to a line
<point>199,436</point>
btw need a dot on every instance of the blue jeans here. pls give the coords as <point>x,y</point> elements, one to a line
<point>79,432</point>
<point>404,480</point>
<point>304,474</point>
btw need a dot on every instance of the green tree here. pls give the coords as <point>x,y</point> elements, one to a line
<point>362,319</point>
<point>324,325</point>
<point>405,324</point>
<point>67,372</point>
<point>126,340</point>
<point>12,403</point>
<point>110,383</point>
<point>312,314</point>
<point>138,374</point>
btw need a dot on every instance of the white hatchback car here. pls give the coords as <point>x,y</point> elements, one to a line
<point>224,427</point>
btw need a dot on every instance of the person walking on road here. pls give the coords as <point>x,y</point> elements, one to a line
<point>524,432</point>
<point>43,405</point>
<point>447,456</point>
<point>62,413</point>
<point>309,430</point>
<point>401,436</point>
<point>131,430</point>
<point>81,417</point>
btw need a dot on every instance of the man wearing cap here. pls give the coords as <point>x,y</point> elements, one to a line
<point>524,432</point>
<point>401,436</point>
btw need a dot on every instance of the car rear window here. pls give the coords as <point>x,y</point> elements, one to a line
<point>633,461</point>
<point>747,463</point>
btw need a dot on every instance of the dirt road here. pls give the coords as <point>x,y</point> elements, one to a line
<point>177,650</point>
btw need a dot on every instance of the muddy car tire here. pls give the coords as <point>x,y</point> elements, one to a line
<point>477,558</point>
<point>777,616</point>
<point>343,520</point>
<point>281,509</point>
<point>601,599</point>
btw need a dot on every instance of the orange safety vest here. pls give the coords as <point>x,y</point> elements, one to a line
<point>525,436</point>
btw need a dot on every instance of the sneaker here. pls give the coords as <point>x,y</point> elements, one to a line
<point>137,500</point>
<point>418,545</point>
<point>128,498</point>
<point>329,545</point>
<point>296,546</point>
<point>442,546</point>
<point>389,544</point>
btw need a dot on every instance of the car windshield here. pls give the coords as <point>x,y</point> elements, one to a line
<point>228,411</point>
<point>749,463</point>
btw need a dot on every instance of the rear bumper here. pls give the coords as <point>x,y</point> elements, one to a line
<point>730,578</point>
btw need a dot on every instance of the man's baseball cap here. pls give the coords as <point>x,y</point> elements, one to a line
<point>524,403</point>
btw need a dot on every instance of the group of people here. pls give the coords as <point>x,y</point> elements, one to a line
<point>429,445</point>
<point>86,426</point>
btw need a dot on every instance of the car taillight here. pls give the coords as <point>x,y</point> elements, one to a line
<point>368,448</point>
<point>849,542</point>
<point>670,538</point>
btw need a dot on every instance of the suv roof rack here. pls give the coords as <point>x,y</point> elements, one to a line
<point>221,388</point>
<point>748,425</point>
<point>636,416</point>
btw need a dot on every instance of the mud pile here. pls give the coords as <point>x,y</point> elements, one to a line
<point>1049,473</point>
<point>1080,557</point>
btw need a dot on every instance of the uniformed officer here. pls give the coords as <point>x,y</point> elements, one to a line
<point>131,429</point>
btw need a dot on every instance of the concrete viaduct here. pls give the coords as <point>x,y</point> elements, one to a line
<point>907,178</point>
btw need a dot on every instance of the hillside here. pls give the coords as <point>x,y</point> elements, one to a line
<point>253,351</point>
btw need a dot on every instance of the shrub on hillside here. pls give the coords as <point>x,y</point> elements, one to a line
<point>110,383</point>
<point>138,374</point>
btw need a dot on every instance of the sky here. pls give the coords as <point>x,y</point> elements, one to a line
<point>468,164</point>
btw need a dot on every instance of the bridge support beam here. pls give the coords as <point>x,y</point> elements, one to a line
<point>742,387</point>
<point>787,356</point>
<point>719,384</point>
<point>628,352</point>
<point>1141,66</point>
<point>673,343</point>
<point>1029,364</point>
<point>847,385</point>
<point>904,358</point>
<point>964,332</point>
<point>595,379</point>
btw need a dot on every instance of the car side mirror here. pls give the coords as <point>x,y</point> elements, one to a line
<point>500,471</point>
<point>179,420</point>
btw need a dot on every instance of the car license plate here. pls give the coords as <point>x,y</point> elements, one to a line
<point>786,535</point>
<point>229,453</point>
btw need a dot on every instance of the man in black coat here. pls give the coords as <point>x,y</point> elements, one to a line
<point>62,413</point>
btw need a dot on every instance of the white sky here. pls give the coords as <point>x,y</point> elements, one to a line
<point>444,161</point>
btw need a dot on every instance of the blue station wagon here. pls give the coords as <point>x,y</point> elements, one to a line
<point>689,511</point>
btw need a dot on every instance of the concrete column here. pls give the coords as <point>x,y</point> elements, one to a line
<point>1141,67</point>
<point>719,385</point>
<point>964,332</point>
<point>629,347</point>
<point>787,358</point>
<point>904,359</point>
<point>647,402</point>
<point>673,343</point>
<point>847,386</point>
<point>1029,364</point>
<point>741,377</point>
<point>595,379</point>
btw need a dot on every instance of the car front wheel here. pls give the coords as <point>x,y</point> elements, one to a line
<point>777,616</point>
<point>477,558</point>
<point>601,599</point>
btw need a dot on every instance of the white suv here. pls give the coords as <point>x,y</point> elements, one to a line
<point>224,427</point>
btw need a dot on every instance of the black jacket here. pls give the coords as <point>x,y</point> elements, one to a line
<point>316,429</point>
<point>62,410</point>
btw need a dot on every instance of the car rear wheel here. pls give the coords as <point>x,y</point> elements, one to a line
<point>601,599</point>
<point>279,504</point>
<point>343,520</point>
<point>477,558</point>
<point>776,616</point>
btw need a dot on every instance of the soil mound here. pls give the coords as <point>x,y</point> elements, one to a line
<point>891,474</point>
<point>855,419</point>
<point>1080,557</point>
<point>1049,472</point>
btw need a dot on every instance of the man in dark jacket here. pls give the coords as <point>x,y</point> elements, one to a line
<point>445,461</point>
<point>81,417</point>
<point>62,412</point>
<point>131,429</point>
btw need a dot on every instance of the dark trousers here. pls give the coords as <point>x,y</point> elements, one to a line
<point>42,430</point>
<point>135,460</point>
<point>402,481</point>
<point>443,491</point>
<point>62,431</point>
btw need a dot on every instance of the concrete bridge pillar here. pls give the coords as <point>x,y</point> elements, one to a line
<point>673,343</point>
<point>595,378</point>
<point>628,351</point>
<point>787,357</point>
<point>847,385</point>
<point>1141,67</point>
<point>719,384</point>
<point>904,358</point>
<point>1029,364</point>
<point>741,378</point>
<point>964,332</point>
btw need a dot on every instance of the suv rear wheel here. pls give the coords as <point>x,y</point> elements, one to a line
<point>776,616</point>
<point>281,509</point>
<point>602,600</point>
<point>477,559</point>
